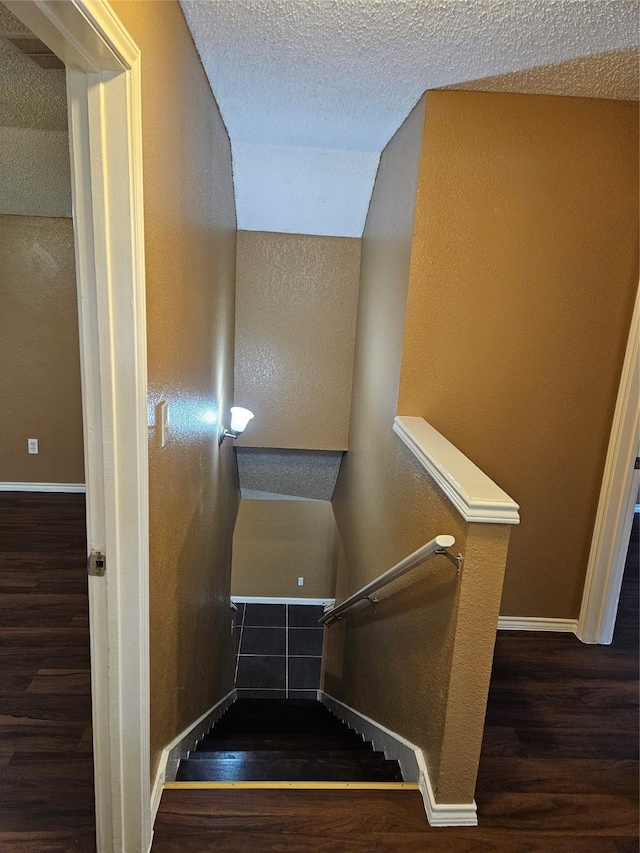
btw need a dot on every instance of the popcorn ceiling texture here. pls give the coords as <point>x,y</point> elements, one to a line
<point>614,75</point>
<point>30,96</point>
<point>294,473</point>
<point>34,143</point>
<point>342,76</point>
<point>291,196</point>
<point>10,25</point>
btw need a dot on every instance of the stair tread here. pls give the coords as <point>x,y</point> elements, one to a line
<point>295,770</point>
<point>282,728</point>
<point>249,742</point>
<point>260,755</point>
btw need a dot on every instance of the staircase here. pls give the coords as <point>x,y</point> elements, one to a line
<point>284,740</point>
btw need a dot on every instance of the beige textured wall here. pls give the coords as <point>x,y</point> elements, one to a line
<point>276,542</point>
<point>295,323</point>
<point>406,665</point>
<point>39,354</point>
<point>523,275</point>
<point>190,272</point>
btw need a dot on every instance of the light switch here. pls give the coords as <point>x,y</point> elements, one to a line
<point>162,422</point>
<point>300,581</point>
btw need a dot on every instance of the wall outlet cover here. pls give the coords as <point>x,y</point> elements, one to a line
<point>32,445</point>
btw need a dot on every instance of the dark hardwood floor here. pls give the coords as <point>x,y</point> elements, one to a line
<point>558,773</point>
<point>46,761</point>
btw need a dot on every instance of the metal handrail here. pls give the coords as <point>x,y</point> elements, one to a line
<point>438,545</point>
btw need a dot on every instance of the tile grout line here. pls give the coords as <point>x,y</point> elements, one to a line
<point>235,678</point>
<point>258,655</point>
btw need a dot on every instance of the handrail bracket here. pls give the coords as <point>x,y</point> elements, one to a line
<point>456,559</point>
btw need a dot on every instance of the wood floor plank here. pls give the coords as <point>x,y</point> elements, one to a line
<point>46,785</point>
<point>558,771</point>
<point>66,681</point>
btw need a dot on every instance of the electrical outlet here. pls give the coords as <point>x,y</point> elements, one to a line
<point>32,445</point>
<point>300,581</point>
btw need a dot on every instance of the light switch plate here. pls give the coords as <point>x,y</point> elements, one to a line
<point>162,422</point>
<point>300,581</point>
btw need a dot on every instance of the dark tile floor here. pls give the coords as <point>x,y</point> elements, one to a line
<point>278,650</point>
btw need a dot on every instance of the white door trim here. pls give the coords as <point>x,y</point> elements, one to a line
<point>103,94</point>
<point>616,505</point>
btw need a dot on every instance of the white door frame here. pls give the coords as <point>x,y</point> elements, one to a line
<point>616,505</point>
<point>104,105</point>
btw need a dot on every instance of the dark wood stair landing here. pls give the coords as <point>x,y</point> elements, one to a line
<point>284,740</point>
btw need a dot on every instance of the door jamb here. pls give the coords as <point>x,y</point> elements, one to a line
<point>616,504</point>
<point>104,107</point>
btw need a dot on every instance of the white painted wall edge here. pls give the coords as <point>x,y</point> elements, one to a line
<point>182,745</point>
<point>476,497</point>
<point>618,494</point>
<point>261,599</point>
<point>411,760</point>
<point>535,623</point>
<point>43,487</point>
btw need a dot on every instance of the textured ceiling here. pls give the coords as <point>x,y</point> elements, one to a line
<point>29,96</point>
<point>34,143</point>
<point>336,76</point>
<point>615,74</point>
<point>268,473</point>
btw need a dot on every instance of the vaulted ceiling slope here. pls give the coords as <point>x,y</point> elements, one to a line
<point>312,90</point>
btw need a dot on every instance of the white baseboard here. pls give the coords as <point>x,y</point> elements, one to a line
<point>182,745</point>
<point>534,623</point>
<point>411,760</point>
<point>43,487</point>
<point>262,599</point>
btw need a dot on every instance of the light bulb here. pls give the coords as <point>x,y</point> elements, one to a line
<point>239,419</point>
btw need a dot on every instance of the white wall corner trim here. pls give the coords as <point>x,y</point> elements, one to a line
<point>476,497</point>
<point>616,504</point>
<point>536,623</point>
<point>182,745</point>
<point>43,487</point>
<point>411,760</point>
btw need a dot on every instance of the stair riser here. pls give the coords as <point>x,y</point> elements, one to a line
<point>287,771</point>
<point>260,740</point>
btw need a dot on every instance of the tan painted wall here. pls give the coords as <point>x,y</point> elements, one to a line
<point>39,352</point>
<point>190,268</point>
<point>295,324</point>
<point>407,665</point>
<point>523,275</point>
<point>276,542</point>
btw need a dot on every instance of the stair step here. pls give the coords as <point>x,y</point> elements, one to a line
<point>315,733</point>
<point>279,726</point>
<point>243,755</point>
<point>240,742</point>
<point>309,769</point>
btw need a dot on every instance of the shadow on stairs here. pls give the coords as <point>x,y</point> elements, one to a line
<point>285,743</point>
